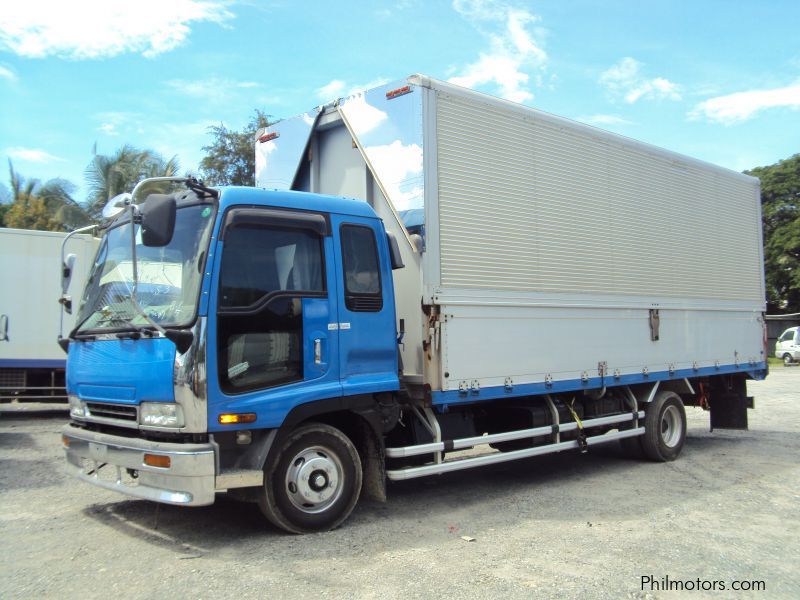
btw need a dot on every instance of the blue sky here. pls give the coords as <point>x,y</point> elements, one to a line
<point>717,80</point>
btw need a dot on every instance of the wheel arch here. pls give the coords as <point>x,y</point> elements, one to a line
<point>359,419</point>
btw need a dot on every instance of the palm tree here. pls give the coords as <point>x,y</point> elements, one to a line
<point>108,176</point>
<point>45,206</point>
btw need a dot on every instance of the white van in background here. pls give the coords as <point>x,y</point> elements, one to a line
<point>788,346</point>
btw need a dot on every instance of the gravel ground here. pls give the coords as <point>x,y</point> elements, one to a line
<point>563,526</point>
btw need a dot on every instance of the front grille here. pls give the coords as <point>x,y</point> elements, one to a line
<point>111,411</point>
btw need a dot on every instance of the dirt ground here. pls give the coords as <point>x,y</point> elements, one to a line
<point>563,526</point>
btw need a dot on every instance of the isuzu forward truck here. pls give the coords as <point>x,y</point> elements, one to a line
<point>297,344</point>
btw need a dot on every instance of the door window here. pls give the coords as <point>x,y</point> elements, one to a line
<point>362,278</point>
<point>266,271</point>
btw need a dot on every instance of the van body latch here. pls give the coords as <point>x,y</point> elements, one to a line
<point>655,322</point>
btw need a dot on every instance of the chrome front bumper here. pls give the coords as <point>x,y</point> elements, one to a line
<point>108,461</point>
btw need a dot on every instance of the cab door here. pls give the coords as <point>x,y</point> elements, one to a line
<point>368,359</point>
<point>276,297</point>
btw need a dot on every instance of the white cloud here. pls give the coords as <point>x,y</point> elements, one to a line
<point>514,52</point>
<point>103,28</point>
<point>215,87</point>
<point>262,155</point>
<point>337,88</point>
<point>6,73</point>
<point>112,121</point>
<point>738,107</point>
<point>604,120</point>
<point>331,90</point>
<point>32,155</point>
<point>399,166</point>
<point>625,79</point>
<point>108,128</point>
<point>363,117</point>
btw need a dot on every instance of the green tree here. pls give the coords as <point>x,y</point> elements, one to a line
<point>780,207</point>
<point>5,201</point>
<point>57,195</point>
<point>108,176</point>
<point>45,206</point>
<point>230,158</point>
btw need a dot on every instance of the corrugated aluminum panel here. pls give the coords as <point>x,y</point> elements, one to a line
<point>528,204</point>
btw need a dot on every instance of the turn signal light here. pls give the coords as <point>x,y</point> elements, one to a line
<point>65,441</point>
<point>231,419</point>
<point>157,460</point>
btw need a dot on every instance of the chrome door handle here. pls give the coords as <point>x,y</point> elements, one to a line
<point>317,351</point>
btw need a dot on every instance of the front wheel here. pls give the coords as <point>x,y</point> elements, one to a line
<point>787,359</point>
<point>665,427</point>
<point>313,481</point>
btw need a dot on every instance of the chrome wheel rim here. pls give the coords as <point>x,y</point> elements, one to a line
<point>314,480</point>
<point>671,428</point>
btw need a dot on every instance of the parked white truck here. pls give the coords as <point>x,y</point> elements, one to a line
<point>32,365</point>
<point>553,287</point>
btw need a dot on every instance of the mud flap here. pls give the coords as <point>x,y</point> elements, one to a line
<point>729,403</point>
<point>373,464</point>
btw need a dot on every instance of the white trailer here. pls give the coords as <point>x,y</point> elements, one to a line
<point>553,256</point>
<point>31,361</point>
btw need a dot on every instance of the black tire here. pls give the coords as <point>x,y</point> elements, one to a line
<point>787,359</point>
<point>313,480</point>
<point>665,427</point>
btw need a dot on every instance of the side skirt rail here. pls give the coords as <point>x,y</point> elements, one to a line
<point>469,442</point>
<point>490,459</point>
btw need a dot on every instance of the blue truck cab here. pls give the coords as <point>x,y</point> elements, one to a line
<point>258,337</point>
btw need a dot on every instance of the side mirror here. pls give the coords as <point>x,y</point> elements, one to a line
<point>158,220</point>
<point>66,272</point>
<point>394,251</point>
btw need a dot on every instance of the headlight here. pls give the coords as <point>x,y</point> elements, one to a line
<point>77,408</point>
<point>160,414</point>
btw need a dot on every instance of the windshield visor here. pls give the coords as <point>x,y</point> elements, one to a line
<point>169,277</point>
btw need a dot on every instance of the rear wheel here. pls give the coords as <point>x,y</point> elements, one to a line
<point>313,481</point>
<point>665,427</point>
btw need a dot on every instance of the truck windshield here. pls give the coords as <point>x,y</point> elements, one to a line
<point>169,277</point>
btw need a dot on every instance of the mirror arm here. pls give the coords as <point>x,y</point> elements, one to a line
<point>134,301</point>
<point>152,179</point>
<point>91,228</point>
